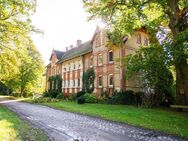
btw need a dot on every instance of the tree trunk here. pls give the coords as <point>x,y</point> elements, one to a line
<point>181,65</point>
<point>182,84</point>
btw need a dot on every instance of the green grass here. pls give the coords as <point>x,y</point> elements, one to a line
<point>158,119</point>
<point>12,128</point>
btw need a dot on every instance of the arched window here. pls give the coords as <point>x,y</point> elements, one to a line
<point>110,56</point>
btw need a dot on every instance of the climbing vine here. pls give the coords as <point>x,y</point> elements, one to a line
<point>88,80</point>
<point>55,83</point>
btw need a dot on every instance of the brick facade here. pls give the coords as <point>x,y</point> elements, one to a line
<point>109,70</point>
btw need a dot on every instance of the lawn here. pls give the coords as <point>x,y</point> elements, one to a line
<point>12,128</point>
<point>158,119</point>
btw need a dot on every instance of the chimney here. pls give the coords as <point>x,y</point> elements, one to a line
<point>66,48</point>
<point>71,46</point>
<point>78,43</point>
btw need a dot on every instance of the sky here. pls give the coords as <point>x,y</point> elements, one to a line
<point>63,22</point>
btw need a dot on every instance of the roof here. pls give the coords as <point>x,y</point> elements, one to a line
<point>77,51</point>
<point>58,54</point>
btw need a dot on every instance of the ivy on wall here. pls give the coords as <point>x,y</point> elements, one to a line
<point>55,83</point>
<point>88,80</point>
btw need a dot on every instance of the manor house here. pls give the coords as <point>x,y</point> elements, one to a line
<point>109,69</point>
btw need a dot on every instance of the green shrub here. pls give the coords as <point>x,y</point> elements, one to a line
<point>72,97</point>
<point>139,98</point>
<point>126,97</point>
<point>81,100</point>
<point>59,96</point>
<point>89,98</point>
<point>80,93</point>
<point>46,94</point>
<point>15,94</point>
<point>5,90</point>
<point>44,99</point>
<point>53,93</point>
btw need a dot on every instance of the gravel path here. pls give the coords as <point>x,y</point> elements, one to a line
<point>66,126</point>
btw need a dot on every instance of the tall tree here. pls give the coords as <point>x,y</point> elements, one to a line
<point>167,17</point>
<point>15,26</point>
<point>30,68</point>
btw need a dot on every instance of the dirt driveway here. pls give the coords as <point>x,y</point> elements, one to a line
<point>66,126</point>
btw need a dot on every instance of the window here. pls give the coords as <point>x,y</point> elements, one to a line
<point>145,41</point>
<point>73,83</point>
<point>69,67</point>
<point>91,61</point>
<point>111,80</point>
<point>78,82</point>
<point>64,69</point>
<point>68,83</point>
<point>97,41</point>
<point>110,56</point>
<point>100,81</point>
<point>138,38</point>
<point>64,83</point>
<point>100,59</point>
<point>74,66</point>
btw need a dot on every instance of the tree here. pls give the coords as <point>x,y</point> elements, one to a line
<point>167,17</point>
<point>30,68</point>
<point>15,26</point>
<point>150,66</point>
<point>88,80</point>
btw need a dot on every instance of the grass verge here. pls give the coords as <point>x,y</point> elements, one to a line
<point>12,128</point>
<point>158,119</point>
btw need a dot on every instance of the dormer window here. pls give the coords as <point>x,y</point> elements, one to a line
<point>138,38</point>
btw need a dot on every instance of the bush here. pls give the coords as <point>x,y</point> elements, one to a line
<point>53,93</point>
<point>89,98</point>
<point>46,94</point>
<point>81,100</point>
<point>44,100</point>
<point>126,97</point>
<point>139,98</point>
<point>80,93</point>
<point>59,96</point>
<point>72,97</point>
<point>4,89</point>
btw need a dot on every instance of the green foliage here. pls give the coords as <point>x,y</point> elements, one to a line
<point>126,97</point>
<point>59,96</point>
<point>4,89</point>
<point>88,80</point>
<point>89,98</point>
<point>45,94</point>
<point>155,118</point>
<point>81,100</point>
<point>150,66</point>
<point>20,63</point>
<point>80,93</point>
<point>44,99</point>
<point>56,82</point>
<point>165,21</point>
<point>16,129</point>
